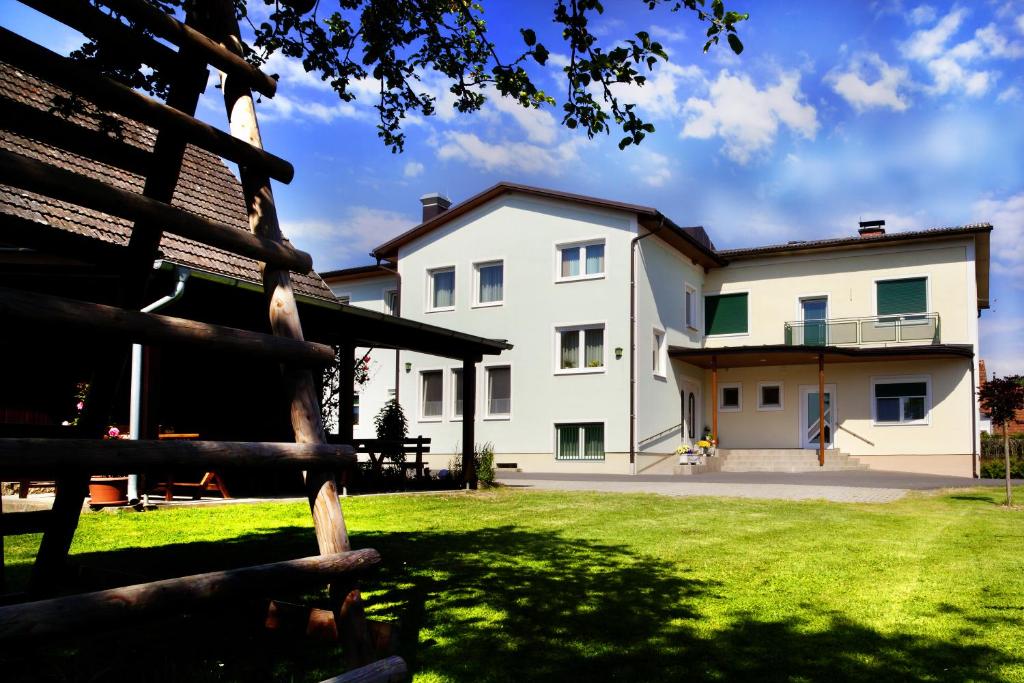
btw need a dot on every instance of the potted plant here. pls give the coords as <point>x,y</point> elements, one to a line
<point>686,455</point>
<point>109,489</point>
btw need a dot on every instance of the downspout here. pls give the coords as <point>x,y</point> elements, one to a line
<point>135,411</point>
<point>632,344</point>
<point>974,423</point>
<point>398,312</point>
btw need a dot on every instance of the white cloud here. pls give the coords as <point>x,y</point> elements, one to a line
<point>746,118</point>
<point>922,14</point>
<point>346,240</point>
<point>1007,218</point>
<point>538,124</point>
<point>666,34</point>
<point>1011,94</point>
<point>929,43</point>
<point>412,169</point>
<point>852,85</point>
<point>651,168</point>
<point>657,96</point>
<point>506,155</point>
<point>949,75</point>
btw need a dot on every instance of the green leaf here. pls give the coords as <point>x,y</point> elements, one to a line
<point>735,44</point>
<point>540,54</point>
<point>528,35</point>
<point>625,142</point>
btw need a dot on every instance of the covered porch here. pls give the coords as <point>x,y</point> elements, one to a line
<point>796,406</point>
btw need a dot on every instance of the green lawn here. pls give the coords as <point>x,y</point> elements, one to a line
<point>516,586</point>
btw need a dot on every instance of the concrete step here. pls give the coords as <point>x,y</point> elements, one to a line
<point>785,460</point>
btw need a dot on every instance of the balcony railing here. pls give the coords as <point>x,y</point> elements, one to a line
<point>920,328</point>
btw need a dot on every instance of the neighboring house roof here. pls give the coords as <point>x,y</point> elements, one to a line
<point>356,273</point>
<point>693,242</point>
<point>206,188</point>
<point>1016,425</point>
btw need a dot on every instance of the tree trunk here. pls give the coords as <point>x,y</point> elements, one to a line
<point>1006,455</point>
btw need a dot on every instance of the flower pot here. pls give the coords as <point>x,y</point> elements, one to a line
<point>106,491</point>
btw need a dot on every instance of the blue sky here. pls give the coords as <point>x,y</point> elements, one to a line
<point>906,111</point>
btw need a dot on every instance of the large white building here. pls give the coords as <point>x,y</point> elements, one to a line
<point>632,335</point>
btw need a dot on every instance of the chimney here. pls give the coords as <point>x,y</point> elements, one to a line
<point>870,229</point>
<point>434,204</point>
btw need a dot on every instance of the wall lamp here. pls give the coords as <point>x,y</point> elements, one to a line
<point>618,353</point>
<point>408,367</point>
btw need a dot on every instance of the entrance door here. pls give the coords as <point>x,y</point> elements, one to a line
<point>810,425</point>
<point>689,401</point>
<point>814,312</point>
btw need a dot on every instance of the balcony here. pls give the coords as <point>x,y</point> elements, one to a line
<point>916,328</point>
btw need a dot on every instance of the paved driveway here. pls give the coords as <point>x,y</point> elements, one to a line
<point>868,486</point>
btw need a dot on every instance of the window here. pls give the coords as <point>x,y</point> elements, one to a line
<point>730,398</point>
<point>579,441</point>
<point>691,415</point>
<point>432,394</point>
<point>499,391</point>
<point>581,261</point>
<point>907,295</point>
<point>580,349</point>
<point>442,289</point>
<point>691,306</point>
<point>490,283</point>
<point>725,313</point>
<point>658,353</point>
<point>769,396</point>
<point>457,393</point>
<point>391,301</point>
<point>901,400</point>
<point>355,408</point>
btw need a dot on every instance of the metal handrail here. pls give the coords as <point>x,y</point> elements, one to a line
<point>662,432</point>
<point>876,329</point>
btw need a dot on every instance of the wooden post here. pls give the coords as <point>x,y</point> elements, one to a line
<point>321,486</point>
<point>821,410</point>
<point>346,390</point>
<point>469,421</point>
<point>714,399</point>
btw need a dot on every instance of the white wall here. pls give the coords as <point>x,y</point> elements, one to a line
<point>523,232</point>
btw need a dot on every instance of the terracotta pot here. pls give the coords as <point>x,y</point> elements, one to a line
<point>104,491</point>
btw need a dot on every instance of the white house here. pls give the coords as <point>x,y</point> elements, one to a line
<point>632,335</point>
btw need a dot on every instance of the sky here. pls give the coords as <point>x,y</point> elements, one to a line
<point>835,112</point>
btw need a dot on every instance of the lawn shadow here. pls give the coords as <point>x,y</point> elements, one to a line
<point>515,604</point>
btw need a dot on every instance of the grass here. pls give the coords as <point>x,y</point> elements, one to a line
<point>516,586</point>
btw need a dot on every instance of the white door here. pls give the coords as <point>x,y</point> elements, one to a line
<point>810,425</point>
<point>689,402</point>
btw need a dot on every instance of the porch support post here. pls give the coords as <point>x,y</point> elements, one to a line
<point>468,421</point>
<point>714,398</point>
<point>821,410</point>
<point>346,392</point>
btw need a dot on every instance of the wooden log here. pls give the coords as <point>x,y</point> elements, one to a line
<point>128,604</point>
<point>63,133</point>
<point>52,181</point>
<point>390,670</point>
<point>184,36</point>
<point>307,425</point>
<point>17,523</point>
<point>114,35</point>
<point>318,624</point>
<point>56,544</point>
<point>112,96</point>
<point>41,458</point>
<point>43,312</point>
<point>353,631</point>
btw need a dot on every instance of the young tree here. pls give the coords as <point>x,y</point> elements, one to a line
<point>393,426</point>
<point>1002,398</point>
<point>396,42</point>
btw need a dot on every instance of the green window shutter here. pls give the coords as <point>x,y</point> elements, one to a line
<point>902,296</point>
<point>725,314</point>
<point>895,390</point>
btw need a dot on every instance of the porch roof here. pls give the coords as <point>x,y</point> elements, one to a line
<point>787,354</point>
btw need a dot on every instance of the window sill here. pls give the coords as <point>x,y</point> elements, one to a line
<point>708,335</point>
<point>692,328</point>
<point>659,376</point>
<point>439,310</point>
<point>488,304</point>
<point>916,423</point>
<point>429,419</point>
<point>580,278</point>
<point>497,418</point>
<point>770,409</point>
<point>581,371</point>
<point>729,410</point>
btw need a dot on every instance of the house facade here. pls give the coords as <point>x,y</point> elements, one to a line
<point>633,335</point>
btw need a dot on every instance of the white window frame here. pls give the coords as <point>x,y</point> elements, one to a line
<point>582,245</point>
<point>721,394</point>
<point>488,415</point>
<point>579,328</point>
<point>454,373</point>
<point>384,297</point>
<point>659,353</point>
<point>431,272</point>
<point>422,397</point>
<point>476,283</point>
<point>692,325</point>
<point>579,427</point>
<point>899,379</point>
<point>704,309</point>
<point>769,408</point>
